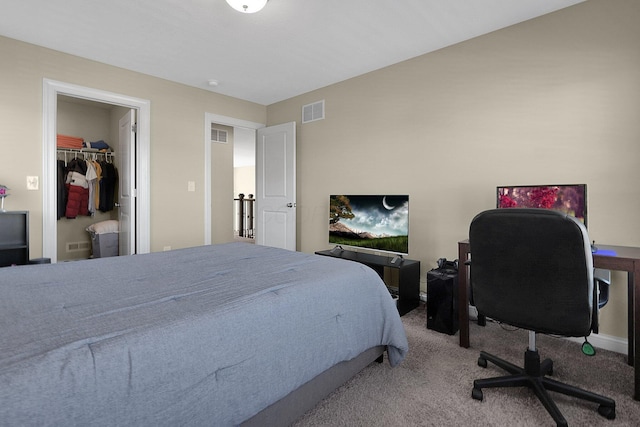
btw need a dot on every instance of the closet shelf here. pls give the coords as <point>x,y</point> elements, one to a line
<point>84,150</point>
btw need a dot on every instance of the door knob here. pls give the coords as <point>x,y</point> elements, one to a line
<point>291,205</point>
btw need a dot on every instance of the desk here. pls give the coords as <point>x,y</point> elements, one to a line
<point>619,258</point>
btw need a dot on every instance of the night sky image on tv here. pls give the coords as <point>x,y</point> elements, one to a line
<point>375,222</point>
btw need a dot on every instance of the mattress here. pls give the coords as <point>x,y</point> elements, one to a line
<point>199,336</point>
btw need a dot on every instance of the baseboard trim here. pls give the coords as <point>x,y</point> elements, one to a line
<point>605,342</point>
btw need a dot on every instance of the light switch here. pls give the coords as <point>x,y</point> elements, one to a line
<point>32,183</point>
<point>191,186</point>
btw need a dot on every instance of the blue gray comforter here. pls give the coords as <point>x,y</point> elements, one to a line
<point>198,336</point>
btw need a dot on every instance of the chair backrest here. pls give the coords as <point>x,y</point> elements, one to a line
<point>533,268</point>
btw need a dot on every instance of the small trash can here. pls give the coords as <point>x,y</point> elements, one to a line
<point>104,238</point>
<point>442,297</point>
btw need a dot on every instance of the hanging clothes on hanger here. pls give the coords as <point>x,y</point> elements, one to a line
<point>91,177</point>
<point>96,189</point>
<point>61,188</point>
<point>108,186</point>
<point>87,182</point>
<point>77,189</point>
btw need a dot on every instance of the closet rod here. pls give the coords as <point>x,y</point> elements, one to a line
<point>108,156</point>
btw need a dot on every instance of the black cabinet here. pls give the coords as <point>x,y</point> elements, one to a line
<point>402,277</point>
<point>14,238</point>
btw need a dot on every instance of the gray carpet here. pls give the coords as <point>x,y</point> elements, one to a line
<point>432,386</point>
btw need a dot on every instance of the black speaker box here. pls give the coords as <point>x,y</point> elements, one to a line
<point>442,300</point>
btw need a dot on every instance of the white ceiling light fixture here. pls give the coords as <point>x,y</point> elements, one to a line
<point>247,6</point>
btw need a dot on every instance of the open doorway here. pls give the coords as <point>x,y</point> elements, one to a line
<point>233,189</point>
<point>275,208</point>
<point>242,153</point>
<point>140,172</point>
<point>244,183</point>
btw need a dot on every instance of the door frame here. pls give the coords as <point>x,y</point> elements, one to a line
<point>50,91</point>
<point>210,118</point>
<point>126,183</point>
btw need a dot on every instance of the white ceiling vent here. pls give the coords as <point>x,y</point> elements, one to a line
<point>313,112</point>
<point>218,135</point>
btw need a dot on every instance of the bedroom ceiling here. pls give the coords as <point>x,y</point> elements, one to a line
<point>289,48</point>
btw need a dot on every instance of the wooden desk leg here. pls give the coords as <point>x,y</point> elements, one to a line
<point>636,327</point>
<point>630,319</point>
<point>463,297</point>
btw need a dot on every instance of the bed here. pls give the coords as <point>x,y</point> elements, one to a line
<point>218,335</point>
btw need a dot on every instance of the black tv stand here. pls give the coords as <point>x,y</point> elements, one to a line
<point>408,284</point>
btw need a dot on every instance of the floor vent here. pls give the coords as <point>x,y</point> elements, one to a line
<point>218,135</point>
<point>313,112</point>
<point>78,246</point>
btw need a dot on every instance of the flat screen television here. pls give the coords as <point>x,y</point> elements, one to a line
<point>570,199</point>
<point>374,222</point>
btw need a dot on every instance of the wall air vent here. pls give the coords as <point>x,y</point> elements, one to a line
<point>218,135</point>
<point>313,112</point>
<point>78,246</point>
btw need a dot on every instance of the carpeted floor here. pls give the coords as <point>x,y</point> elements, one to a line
<point>432,386</point>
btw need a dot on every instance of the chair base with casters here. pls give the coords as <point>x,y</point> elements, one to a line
<point>533,375</point>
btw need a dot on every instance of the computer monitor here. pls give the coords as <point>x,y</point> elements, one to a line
<point>570,199</point>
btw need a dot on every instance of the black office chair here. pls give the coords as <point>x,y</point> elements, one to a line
<point>533,269</point>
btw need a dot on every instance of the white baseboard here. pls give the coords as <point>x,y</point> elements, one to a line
<point>605,342</point>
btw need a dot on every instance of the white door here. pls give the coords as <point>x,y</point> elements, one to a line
<point>276,186</point>
<point>126,198</point>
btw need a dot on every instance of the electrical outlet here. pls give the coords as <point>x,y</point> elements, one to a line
<point>191,186</point>
<point>166,248</point>
<point>32,183</point>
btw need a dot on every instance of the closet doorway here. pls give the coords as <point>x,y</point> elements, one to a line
<point>93,167</point>
<point>60,100</point>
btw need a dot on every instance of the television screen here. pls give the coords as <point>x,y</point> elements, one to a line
<point>570,199</point>
<point>379,223</point>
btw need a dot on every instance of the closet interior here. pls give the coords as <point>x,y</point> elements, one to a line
<point>87,165</point>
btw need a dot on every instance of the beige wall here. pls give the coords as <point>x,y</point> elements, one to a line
<point>552,100</point>
<point>177,136</point>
